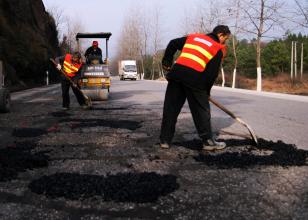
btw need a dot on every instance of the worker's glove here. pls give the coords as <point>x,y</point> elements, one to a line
<point>166,68</point>
<point>166,65</point>
<point>59,67</point>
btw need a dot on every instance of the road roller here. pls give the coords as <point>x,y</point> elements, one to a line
<point>95,75</point>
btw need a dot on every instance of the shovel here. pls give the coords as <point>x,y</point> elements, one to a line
<point>88,100</point>
<point>253,136</point>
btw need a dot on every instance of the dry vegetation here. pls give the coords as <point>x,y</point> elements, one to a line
<point>281,83</point>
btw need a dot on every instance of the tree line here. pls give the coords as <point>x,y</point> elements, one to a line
<point>275,56</point>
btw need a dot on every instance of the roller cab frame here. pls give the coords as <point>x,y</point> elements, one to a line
<point>95,77</point>
<point>5,97</point>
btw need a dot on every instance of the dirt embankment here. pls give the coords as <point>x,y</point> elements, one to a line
<point>281,83</point>
<point>28,38</point>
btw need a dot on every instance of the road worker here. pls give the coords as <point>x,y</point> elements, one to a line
<point>192,77</point>
<point>94,52</point>
<point>71,65</point>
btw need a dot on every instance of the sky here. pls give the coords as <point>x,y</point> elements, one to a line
<point>108,16</point>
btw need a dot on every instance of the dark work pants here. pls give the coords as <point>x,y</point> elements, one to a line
<point>65,84</point>
<point>175,97</point>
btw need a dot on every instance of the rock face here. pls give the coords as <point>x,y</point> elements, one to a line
<point>28,38</point>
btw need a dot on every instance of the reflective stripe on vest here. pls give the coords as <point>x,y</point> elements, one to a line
<point>69,68</point>
<point>197,52</point>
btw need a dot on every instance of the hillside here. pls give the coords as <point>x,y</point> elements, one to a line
<point>28,38</point>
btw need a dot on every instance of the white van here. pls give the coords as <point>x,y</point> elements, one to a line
<point>128,70</point>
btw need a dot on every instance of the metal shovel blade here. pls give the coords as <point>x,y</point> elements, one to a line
<point>220,106</point>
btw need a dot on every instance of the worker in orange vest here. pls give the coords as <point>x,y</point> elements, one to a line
<point>192,77</point>
<point>71,65</point>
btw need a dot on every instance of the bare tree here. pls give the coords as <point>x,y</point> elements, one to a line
<point>234,12</point>
<point>72,28</point>
<point>261,17</point>
<point>59,17</point>
<point>204,17</point>
<point>130,42</point>
<point>157,38</point>
<point>301,11</point>
<point>141,36</point>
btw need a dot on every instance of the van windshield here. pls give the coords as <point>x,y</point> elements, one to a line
<point>130,68</point>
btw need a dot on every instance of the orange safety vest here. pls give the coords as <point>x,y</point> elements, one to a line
<point>70,68</point>
<point>197,52</point>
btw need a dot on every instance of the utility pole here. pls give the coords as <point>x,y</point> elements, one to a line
<point>302,61</point>
<point>292,49</point>
<point>295,60</point>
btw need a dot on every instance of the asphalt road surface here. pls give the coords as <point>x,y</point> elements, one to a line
<point>105,163</point>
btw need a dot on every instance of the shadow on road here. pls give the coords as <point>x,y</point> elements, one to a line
<point>121,187</point>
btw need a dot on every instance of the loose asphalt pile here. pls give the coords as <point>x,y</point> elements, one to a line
<point>282,154</point>
<point>18,158</point>
<point>84,123</point>
<point>121,187</point>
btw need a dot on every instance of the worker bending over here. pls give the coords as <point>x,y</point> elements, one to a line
<point>192,77</point>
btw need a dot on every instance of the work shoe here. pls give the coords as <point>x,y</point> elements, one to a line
<point>164,145</point>
<point>211,145</point>
<point>85,107</point>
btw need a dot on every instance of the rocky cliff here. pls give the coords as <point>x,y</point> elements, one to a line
<point>28,37</point>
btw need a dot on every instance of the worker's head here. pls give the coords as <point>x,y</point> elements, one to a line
<point>95,44</point>
<point>76,57</point>
<point>222,32</point>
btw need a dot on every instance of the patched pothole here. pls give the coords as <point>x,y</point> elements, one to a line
<point>60,114</point>
<point>19,158</point>
<point>28,132</point>
<point>121,187</point>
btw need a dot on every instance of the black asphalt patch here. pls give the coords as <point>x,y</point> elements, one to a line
<point>60,114</point>
<point>18,158</point>
<point>111,109</point>
<point>121,187</point>
<point>124,124</point>
<point>28,132</point>
<point>282,155</point>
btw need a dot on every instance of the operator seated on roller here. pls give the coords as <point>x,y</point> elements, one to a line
<point>93,54</point>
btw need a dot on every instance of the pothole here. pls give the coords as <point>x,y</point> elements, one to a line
<point>28,132</point>
<point>18,158</point>
<point>124,124</point>
<point>121,187</point>
<point>60,114</point>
